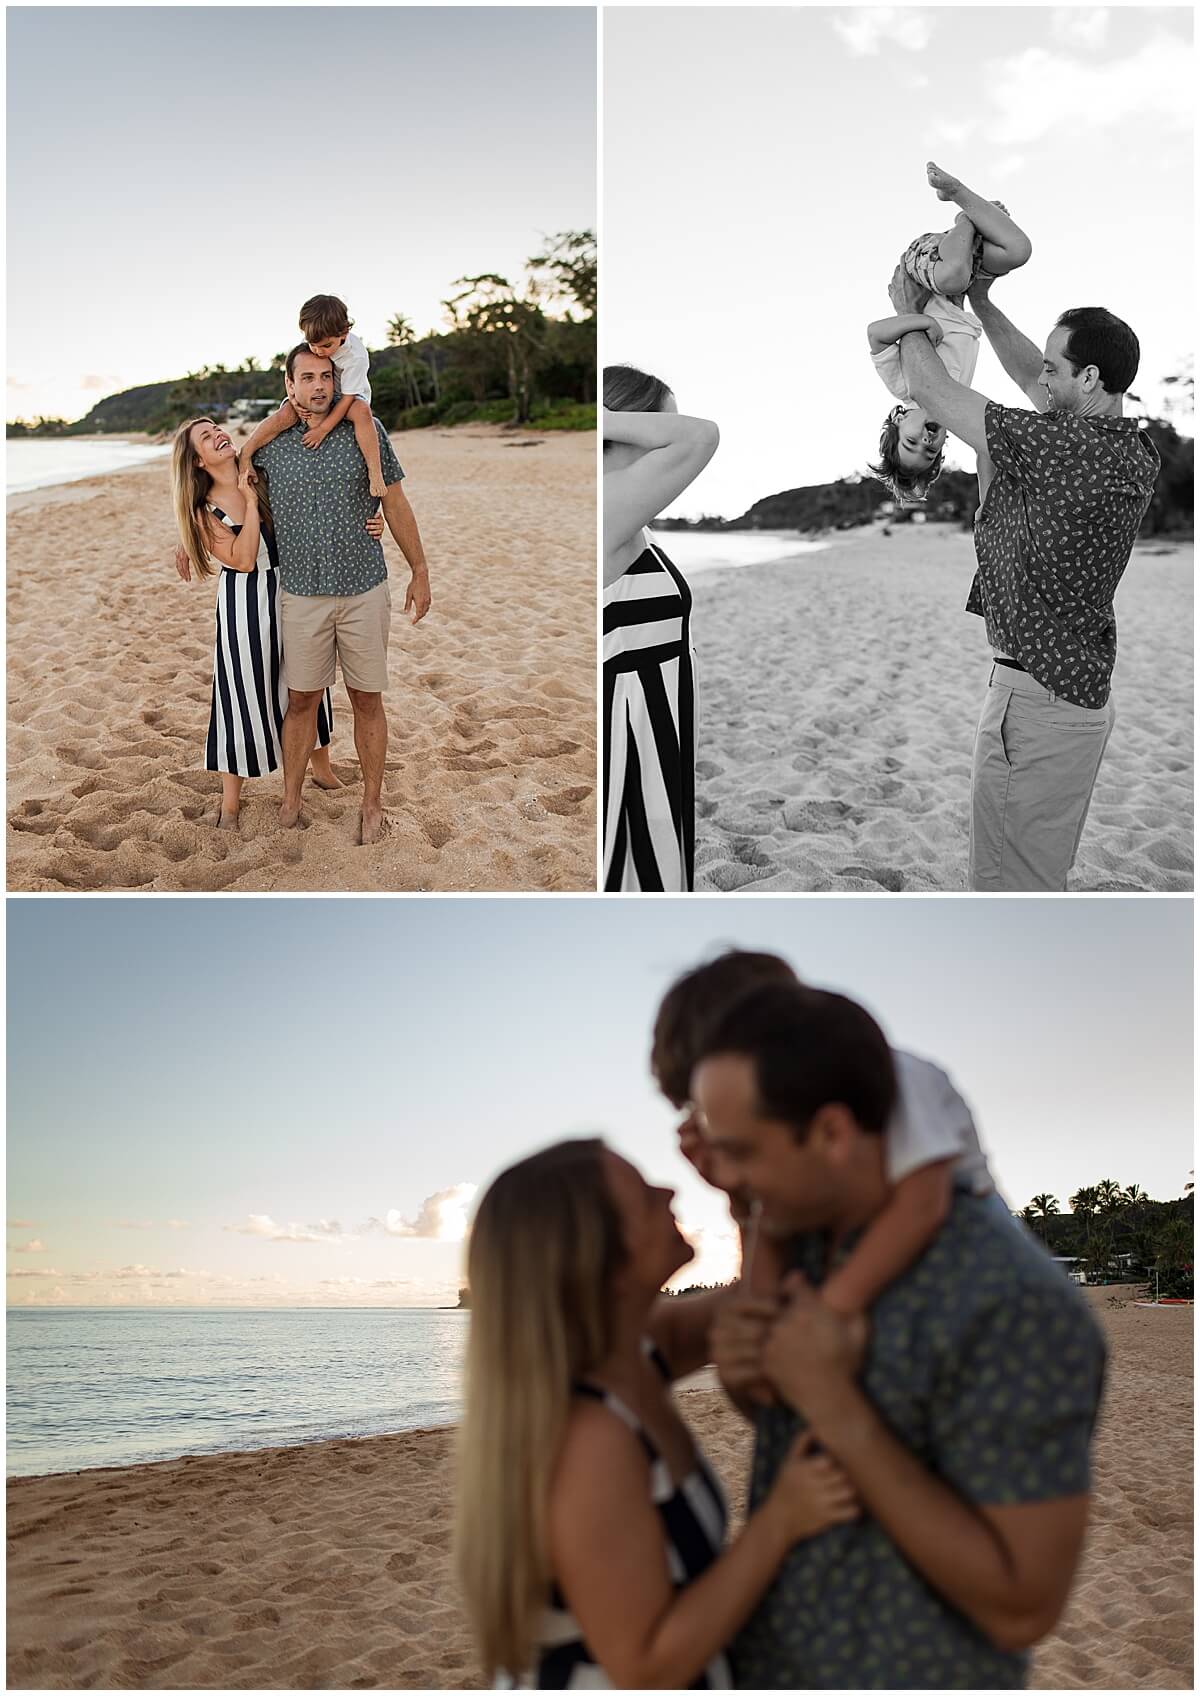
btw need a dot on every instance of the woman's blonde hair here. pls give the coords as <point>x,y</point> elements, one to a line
<point>190,485</point>
<point>545,1247</point>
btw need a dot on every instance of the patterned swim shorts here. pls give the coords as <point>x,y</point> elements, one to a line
<point>922,254</point>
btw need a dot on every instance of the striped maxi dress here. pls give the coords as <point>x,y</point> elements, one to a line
<point>250,693</point>
<point>649,728</point>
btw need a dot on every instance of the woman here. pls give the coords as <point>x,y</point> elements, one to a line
<point>651,454</point>
<point>589,1529</point>
<point>218,521</point>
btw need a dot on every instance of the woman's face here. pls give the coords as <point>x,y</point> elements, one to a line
<point>654,1245</point>
<point>211,444</point>
<point>920,440</point>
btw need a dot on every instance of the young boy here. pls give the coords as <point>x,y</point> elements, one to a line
<point>931,1144</point>
<point>325,326</point>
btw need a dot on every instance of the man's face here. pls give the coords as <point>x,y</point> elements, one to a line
<point>1065,388</point>
<point>792,1179</point>
<point>310,386</point>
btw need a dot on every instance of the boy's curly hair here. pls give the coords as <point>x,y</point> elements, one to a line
<point>910,488</point>
<point>323,317</point>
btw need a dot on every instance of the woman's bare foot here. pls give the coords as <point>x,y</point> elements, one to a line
<point>948,187</point>
<point>227,820</point>
<point>323,774</point>
<point>289,817</point>
<point>372,825</point>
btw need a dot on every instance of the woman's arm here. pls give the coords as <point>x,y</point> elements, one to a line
<point>240,552</point>
<point>886,332</point>
<point>675,451</point>
<point>609,1557</point>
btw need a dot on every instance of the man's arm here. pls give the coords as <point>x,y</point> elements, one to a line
<point>960,409</point>
<point>402,522</point>
<point>1008,1569</point>
<point>1019,357</point>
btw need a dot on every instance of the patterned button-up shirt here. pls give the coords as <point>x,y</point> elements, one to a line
<point>987,1365</point>
<point>320,502</point>
<point>1054,537</point>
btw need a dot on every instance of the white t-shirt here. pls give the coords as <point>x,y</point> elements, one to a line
<point>352,362</point>
<point>932,1122</point>
<point>958,349</point>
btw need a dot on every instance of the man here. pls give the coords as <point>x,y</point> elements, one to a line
<point>1069,486</point>
<point>963,1419</point>
<point>335,601</point>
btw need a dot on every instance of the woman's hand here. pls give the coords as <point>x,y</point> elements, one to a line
<point>247,475</point>
<point>375,524</point>
<point>183,565</point>
<point>811,1491</point>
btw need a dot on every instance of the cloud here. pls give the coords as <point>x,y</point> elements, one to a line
<point>92,381</point>
<point>1079,26</point>
<point>35,1272</point>
<point>34,1246</point>
<point>864,29</point>
<point>18,386</point>
<point>262,1225</point>
<point>1037,91</point>
<point>441,1217</point>
<point>151,1224</point>
<point>21,1224</point>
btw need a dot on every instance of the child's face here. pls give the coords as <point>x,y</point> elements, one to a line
<point>920,440</point>
<point>327,348</point>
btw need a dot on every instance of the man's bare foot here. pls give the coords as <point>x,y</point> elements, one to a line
<point>322,773</point>
<point>948,187</point>
<point>378,488</point>
<point>289,816</point>
<point>372,825</point>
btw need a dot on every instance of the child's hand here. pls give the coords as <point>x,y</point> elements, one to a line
<point>183,565</point>
<point>315,435</point>
<point>812,1490</point>
<point>738,1333</point>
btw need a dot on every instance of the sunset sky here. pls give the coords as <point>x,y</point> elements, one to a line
<point>292,1101</point>
<point>181,179</point>
<point>765,168</point>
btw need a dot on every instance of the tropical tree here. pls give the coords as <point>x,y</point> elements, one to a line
<point>400,334</point>
<point>1175,1253</point>
<point>1109,1195</point>
<point>489,308</point>
<point>1044,1207</point>
<point>565,269</point>
<point>1135,1196</point>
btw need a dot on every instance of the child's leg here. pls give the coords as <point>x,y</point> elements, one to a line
<point>274,424</point>
<point>1005,245</point>
<point>368,444</point>
<point>951,272</point>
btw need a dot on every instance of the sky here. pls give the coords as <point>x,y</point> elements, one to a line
<point>765,168</point>
<point>292,1102</point>
<point>181,179</point>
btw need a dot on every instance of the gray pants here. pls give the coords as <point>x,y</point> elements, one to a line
<point>1036,760</point>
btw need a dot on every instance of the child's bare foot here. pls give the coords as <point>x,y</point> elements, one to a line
<point>948,187</point>
<point>378,488</point>
<point>372,825</point>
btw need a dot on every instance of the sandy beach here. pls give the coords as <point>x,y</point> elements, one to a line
<point>327,1566</point>
<point>491,768</point>
<point>838,698</point>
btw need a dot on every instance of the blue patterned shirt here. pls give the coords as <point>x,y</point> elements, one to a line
<point>320,502</point>
<point>1053,540</point>
<point>987,1364</point>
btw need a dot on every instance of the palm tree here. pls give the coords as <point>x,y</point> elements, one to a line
<point>1134,1196</point>
<point>1044,1207</point>
<point>1083,1205</point>
<point>401,334</point>
<point>1108,1195</point>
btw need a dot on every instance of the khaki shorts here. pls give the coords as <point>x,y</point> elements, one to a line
<point>1036,760</point>
<point>321,630</point>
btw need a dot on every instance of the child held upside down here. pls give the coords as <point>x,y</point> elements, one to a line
<point>982,242</point>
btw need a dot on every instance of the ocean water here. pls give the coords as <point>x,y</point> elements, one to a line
<point>695,551</point>
<point>37,465</point>
<point>114,1386</point>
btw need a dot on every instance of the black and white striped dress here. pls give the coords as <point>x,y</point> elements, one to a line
<point>649,728</point>
<point>250,693</point>
<point>693,1518</point>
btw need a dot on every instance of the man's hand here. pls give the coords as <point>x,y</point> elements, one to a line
<point>980,290</point>
<point>905,294</point>
<point>417,600</point>
<point>183,565</point>
<point>812,1355</point>
<point>737,1338</point>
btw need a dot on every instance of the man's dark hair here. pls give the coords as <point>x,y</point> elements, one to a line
<point>293,356</point>
<point>1098,337</point>
<point>691,1004</point>
<point>810,1048</point>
